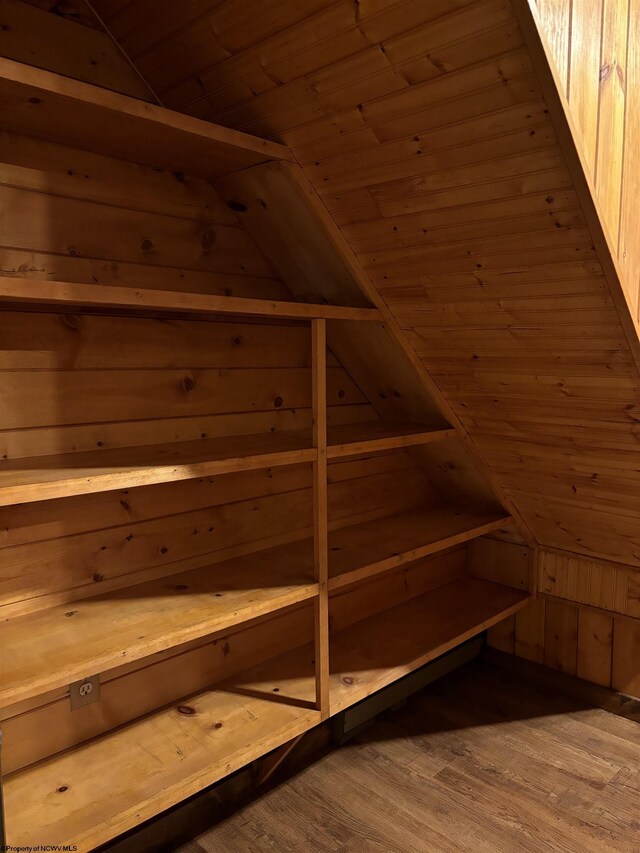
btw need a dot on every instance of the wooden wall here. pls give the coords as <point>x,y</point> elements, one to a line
<point>424,132</point>
<point>596,47</point>
<point>68,39</point>
<point>586,621</point>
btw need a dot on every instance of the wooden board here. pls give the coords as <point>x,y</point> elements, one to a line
<point>138,771</point>
<point>364,550</point>
<point>40,103</point>
<point>606,586</point>
<point>376,652</point>
<point>376,436</point>
<point>175,752</point>
<point>69,296</point>
<point>53,40</point>
<point>96,634</point>
<point>42,726</point>
<point>45,477</point>
<point>41,478</point>
<point>594,48</point>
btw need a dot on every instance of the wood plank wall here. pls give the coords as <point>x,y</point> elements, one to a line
<point>73,215</point>
<point>586,621</point>
<point>424,133</point>
<point>67,38</point>
<point>596,47</point>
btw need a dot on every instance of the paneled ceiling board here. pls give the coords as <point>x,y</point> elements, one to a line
<point>423,129</point>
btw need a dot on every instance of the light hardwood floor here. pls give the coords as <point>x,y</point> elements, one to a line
<point>479,762</point>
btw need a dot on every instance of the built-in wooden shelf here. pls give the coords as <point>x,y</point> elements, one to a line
<point>363,550</point>
<point>52,648</point>
<point>108,785</point>
<point>376,436</point>
<point>62,475</point>
<point>49,106</point>
<point>371,653</point>
<point>72,296</point>
<point>375,652</point>
<point>44,477</point>
<point>105,786</point>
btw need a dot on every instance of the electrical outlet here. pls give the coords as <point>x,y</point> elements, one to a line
<point>84,692</point>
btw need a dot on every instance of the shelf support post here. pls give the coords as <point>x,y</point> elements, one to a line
<point>320,512</point>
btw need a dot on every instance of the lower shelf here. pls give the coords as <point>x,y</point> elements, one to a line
<point>371,654</point>
<point>376,651</point>
<point>98,790</point>
<point>89,795</point>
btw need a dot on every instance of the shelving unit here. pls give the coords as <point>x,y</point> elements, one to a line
<point>92,634</point>
<point>221,729</point>
<point>119,766</point>
<point>109,785</point>
<point>375,651</point>
<point>63,475</point>
<point>177,751</point>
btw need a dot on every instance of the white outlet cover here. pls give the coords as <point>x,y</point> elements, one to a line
<point>84,692</point>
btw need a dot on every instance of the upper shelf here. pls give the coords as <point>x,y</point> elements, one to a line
<point>62,475</point>
<point>361,551</point>
<point>376,436</point>
<point>49,106</point>
<point>69,295</point>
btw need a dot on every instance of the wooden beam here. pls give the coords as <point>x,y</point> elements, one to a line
<point>320,512</point>
<point>377,436</point>
<point>270,764</point>
<point>69,295</point>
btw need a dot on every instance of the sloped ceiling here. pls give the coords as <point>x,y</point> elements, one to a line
<point>424,131</point>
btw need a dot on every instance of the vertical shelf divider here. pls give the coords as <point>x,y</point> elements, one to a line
<point>320,512</point>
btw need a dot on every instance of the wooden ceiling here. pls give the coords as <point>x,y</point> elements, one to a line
<point>425,133</point>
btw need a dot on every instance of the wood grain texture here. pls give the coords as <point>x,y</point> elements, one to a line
<point>584,621</point>
<point>359,666</point>
<point>100,633</point>
<point>454,189</point>
<point>465,765</point>
<point>595,50</point>
<point>45,725</point>
<point>59,40</point>
<point>40,103</point>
